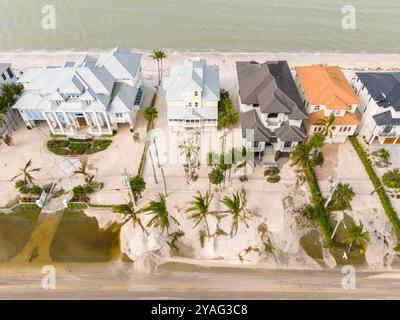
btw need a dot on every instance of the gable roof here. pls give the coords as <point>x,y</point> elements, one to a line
<point>193,75</point>
<point>386,119</point>
<point>252,126</point>
<point>384,87</point>
<point>349,118</point>
<point>271,86</point>
<point>326,85</point>
<point>286,132</point>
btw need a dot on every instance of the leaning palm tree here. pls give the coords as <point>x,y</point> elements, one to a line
<point>246,160</point>
<point>131,215</point>
<point>159,56</point>
<point>26,173</point>
<point>327,123</point>
<point>200,209</point>
<point>161,217</point>
<point>341,198</point>
<point>236,206</point>
<point>191,152</point>
<point>84,170</point>
<point>358,237</point>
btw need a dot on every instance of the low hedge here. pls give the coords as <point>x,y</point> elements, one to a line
<point>101,144</point>
<point>376,182</point>
<point>79,145</point>
<point>74,146</point>
<point>273,179</point>
<point>51,144</point>
<point>318,203</point>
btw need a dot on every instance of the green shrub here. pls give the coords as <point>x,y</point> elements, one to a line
<point>277,155</point>
<point>20,184</point>
<point>80,140</point>
<point>77,152</point>
<point>79,145</point>
<point>101,144</point>
<point>72,205</point>
<point>78,190</point>
<point>35,190</point>
<point>24,189</point>
<point>88,189</point>
<point>54,144</point>
<point>274,179</point>
<point>60,152</point>
<point>91,151</point>
<point>383,197</point>
<point>271,171</point>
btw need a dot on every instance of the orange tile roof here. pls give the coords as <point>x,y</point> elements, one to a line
<point>326,85</point>
<point>348,119</point>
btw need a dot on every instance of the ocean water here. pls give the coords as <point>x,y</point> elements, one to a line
<point>220,25</point>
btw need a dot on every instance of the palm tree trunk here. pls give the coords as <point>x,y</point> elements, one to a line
<point>161,73</point>
<point>207,227</point>
<point>165,182</point>
<point>158,71</point>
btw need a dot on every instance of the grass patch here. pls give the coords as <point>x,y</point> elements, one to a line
<point>74,146</point>
<point>376,182</point>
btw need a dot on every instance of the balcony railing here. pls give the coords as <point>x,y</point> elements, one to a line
<point>392,133</point>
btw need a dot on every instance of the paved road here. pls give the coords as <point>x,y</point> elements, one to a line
<point>118,281</point>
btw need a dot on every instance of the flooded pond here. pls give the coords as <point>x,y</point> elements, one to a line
<point>79,239</point>
<point>15,229</point>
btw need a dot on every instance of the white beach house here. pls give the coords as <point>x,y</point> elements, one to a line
<point>90,96</point>
<point>192,94</point>
<point>379,93</point>
<point>7,75</point>
<point>271,110</point>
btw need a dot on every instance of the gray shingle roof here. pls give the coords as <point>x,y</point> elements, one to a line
<point>386,119</point>
<point>290,133</point>
<point>251,123</point>
<point>271,85</point>
<point>384,87</point>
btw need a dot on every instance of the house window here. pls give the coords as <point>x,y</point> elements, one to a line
<point>317,108</point>
<point>189,104</point>
<point>196,93</point>
<point>119,115</point>
<point>349,128</point>
<point>387,129</point>
<point>10,74</point>
<point>337,113</point>
<point>255,105</point>
<point>287,144</point>
<point>272,115</point>
<point>349,107</point>
<point>256,144</point>
<point>196,104</point>
<point>4,77</point>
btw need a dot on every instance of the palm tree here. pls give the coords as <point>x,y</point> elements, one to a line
<point>191,152</point>
<point>301,155</point>
<point>138,185</point>
<point>327,123</point>
<point>391,179</point>
<point>384,154</point>
<point>132,215</point>
<point>159,56</point>
<point>200,209</point>
<point>161,218</point>
<point>84,170</point>
<point>237,208</point>
<point>246,160</point>
<point>26,173</point>
<point>358,237</point>
<point>216,177</point>
<point>150,113</point>
<point>341,198</point>
<point>10,92</point>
